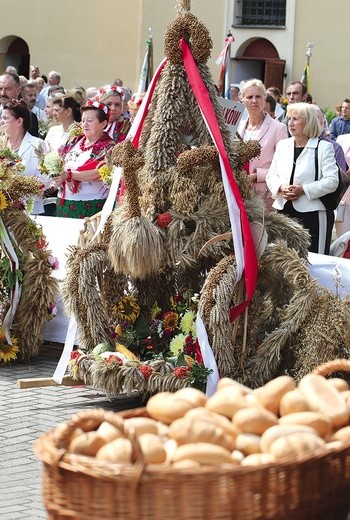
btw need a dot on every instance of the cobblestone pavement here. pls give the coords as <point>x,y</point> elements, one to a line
<point>24,415</point>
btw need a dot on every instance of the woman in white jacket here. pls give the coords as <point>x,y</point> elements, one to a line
<point>15,123</point>
<point>292,177</point>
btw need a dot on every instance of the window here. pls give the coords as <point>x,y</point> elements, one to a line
<point>261,12</point>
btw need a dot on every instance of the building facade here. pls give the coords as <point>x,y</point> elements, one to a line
<point>91,43</point>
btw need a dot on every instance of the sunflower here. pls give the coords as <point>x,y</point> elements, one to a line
<point>170,320</point>
<point>8,352</point>
<point>3,201</point>
<point>127,309</point>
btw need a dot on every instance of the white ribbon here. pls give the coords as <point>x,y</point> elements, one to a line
<point>109,203</point>
<point>208,357</point>
<point>66,353</point>
<point>16,291</point>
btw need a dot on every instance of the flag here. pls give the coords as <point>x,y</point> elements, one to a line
<point>305,78</point>
<point>146,73</point>
<point>224,60</point>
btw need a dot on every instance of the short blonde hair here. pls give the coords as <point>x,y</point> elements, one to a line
<point>253,83</point>
<point>306,111</point>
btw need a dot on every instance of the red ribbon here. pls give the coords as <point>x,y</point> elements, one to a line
<point>201,94</point>
<point>147,100</point>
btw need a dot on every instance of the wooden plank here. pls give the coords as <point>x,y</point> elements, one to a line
<point>47,381</point>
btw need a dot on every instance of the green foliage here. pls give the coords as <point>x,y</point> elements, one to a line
<point>329,114</point>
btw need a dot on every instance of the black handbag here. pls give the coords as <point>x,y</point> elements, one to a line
<point>331,200</point>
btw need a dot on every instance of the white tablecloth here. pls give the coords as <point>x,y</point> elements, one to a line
<point>332,272</point>
<point>60,234</point>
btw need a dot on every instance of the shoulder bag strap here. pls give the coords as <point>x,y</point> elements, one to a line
<point>316,161</point>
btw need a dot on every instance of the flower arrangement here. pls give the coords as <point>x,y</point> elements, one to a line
<point>162,348</point>
<point>50,163</point>
<point>16,190</point>
<point>8,351</point>
<point>75,130</point>
<point>105,170</point>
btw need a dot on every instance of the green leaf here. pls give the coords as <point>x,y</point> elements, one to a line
<point>11,279</point>
<point>181,362</point>
<point>141,327</point>
<point>19,275</point>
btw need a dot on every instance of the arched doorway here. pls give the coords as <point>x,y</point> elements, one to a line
<point>14,51</point>
<point>259,58</point>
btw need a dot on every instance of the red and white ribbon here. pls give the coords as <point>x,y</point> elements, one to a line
<point>244,247</point>
<point>222,55</point>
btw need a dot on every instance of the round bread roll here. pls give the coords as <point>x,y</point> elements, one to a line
<point>295,444</point>
<point>320,422</point>
<point>187,430</point>
<point>271,393</point>
<point>248,443</point>
<point>87,443</point>
<point>118,451</point>
<point>203,453</point>
<point>226,381</point>
<point>194,396</point>
<point>254,420</point>
<point>237,456</point>
<point>108,432</point>
<point>257,459</point>
<point>293,402</point>
<point>340,384</point>
<point>342,435</point>
<point>203,414</point>
<point>166,408</point>
<point>226,401</point>
<point>141,425</point>
<point>152,448</point>
<point>275,432</point>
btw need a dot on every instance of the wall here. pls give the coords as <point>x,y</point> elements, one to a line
<point>92,43</point>
<point>326,25</point>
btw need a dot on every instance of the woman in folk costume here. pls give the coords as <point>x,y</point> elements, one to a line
<point>82,193</point>
<point>118,124</point>
<point>261,127</point>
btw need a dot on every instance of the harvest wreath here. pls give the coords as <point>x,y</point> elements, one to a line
<point>188,223</point>
<point>27,288</point>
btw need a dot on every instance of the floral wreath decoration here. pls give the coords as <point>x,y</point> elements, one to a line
<point>23,257</point>
<point>109,90</point>
<point>97,104</point>
<point>160,352</point>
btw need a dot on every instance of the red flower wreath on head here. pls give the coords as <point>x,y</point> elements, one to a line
<point>97,104</point>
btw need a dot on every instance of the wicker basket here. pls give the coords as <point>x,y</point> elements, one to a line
<point>76,487</point>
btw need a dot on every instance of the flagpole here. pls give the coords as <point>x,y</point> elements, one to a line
<point>309,48</point>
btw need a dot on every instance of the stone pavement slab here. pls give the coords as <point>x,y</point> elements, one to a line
<point>25,414</point>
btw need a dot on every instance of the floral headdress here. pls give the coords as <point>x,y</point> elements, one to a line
<point>98,104</point>
<point>109,90</point>
<point>136,99</point>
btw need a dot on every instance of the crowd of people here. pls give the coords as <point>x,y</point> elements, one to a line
<point>80,125</point>
<point>291,135</point>
<point>83,125</point>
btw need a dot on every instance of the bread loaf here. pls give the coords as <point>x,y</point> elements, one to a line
<point>295,444</point>
<point>325,398</point>
<point>254,420</point>
<point>320,422</point>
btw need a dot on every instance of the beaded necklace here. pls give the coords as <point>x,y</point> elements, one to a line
<point>84,148</point>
